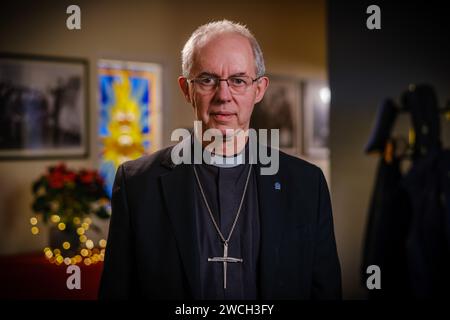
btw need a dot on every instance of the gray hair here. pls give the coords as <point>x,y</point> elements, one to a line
<point>205,32</point>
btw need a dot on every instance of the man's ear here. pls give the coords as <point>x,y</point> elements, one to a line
<point>184,86</point>
<point>261,87</point>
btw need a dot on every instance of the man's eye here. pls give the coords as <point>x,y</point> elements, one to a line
<point>237,81</point>
<point>207,81</point>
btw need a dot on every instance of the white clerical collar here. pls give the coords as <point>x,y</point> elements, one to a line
<point>223,162</point>
<point>219,160</point>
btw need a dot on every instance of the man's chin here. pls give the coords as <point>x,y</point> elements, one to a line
<point>228,132</point>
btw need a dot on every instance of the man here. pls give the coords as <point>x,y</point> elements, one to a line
<point>221,229</point>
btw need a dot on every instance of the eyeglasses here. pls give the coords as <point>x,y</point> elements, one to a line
<point>237,84</point>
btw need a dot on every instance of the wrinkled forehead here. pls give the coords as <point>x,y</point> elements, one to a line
<point>230,53</point>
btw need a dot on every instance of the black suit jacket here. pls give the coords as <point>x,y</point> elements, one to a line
<point>152,251</point>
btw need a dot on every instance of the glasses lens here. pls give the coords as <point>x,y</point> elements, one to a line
<point>206,83</point>
<point>237,84</point>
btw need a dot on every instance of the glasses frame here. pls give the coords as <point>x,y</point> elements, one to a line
<point>214,88</point>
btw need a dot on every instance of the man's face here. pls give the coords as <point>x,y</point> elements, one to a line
<point>224,56</point>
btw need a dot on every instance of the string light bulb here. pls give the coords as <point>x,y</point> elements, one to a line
<point>89,244</point>
<point>102,243</point>
<point>34,230</point>
<point>59,259</point>
<point>87,220</point>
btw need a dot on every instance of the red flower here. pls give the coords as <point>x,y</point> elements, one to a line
<point>59,175</point>
<point>87,177</point>
<point>56,180</point>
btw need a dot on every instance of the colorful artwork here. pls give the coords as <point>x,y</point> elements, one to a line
<point>130,120</point>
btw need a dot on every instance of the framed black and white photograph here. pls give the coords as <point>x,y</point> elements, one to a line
<point>281,109</point>
<point>43,107</point>
<point>316,118</point>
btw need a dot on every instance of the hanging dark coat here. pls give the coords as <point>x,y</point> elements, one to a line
<point>428,250</point>
<point>386,232</point>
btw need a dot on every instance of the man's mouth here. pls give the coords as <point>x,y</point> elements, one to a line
<point>222,116</point>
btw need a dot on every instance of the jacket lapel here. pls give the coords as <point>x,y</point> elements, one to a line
<point>179,200</point>
<point>272,215</point>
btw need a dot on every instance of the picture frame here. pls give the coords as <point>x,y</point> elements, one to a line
<point>316,111</point>
<point>43,107</point>
<point>281,108</point>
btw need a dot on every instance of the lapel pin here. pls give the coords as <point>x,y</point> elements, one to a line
<point>277,186</point>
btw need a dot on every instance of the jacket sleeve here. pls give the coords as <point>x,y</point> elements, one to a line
<point>326,282</point>
<point>116,281</point>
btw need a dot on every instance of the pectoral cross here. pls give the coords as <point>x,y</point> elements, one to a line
<point>225,259</point>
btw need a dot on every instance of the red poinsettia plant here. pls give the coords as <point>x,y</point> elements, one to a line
<point>70,194</point>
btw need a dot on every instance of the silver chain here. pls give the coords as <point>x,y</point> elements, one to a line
<point>225,241</point>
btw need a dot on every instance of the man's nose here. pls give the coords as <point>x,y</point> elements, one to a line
<point>223,91</point>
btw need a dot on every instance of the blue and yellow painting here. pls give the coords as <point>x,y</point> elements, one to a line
<point>128,117</point>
